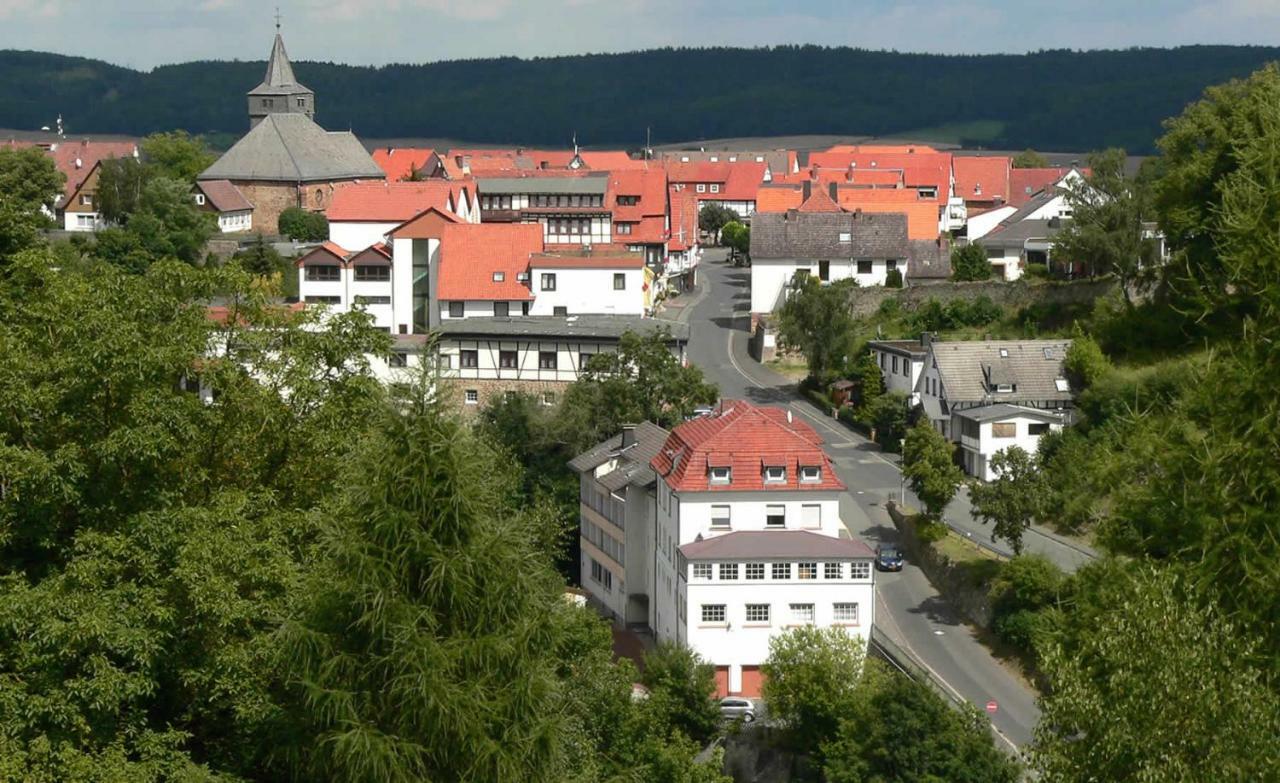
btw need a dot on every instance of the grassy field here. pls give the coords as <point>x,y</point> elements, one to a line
<point>793,367</point>
<point>978,131</point>
<point>979,565</point>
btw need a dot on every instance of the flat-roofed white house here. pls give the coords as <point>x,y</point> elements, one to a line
<point>987,430</point>
<point>964,375</point>
<point>828,246</point>
<point>901,362</point>
<point>748,541</point>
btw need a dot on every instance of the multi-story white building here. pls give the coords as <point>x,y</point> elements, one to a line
<point>572,283</point>
<point>828,246</point>
<point>745,541</point>
<point>363,214</point>
<point>901,362</point>
<point>990,429</point>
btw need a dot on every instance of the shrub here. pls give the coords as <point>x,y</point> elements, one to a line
<point>888,414</point>
<point>970,262</point>
<point>890,308</point>
<point>1025,586</point>
<point>893,279</point>
<point>1085,363</point>
<point>821,399</point>
<point>303,226</point>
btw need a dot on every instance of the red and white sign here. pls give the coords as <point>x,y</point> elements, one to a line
<point>992,707</point>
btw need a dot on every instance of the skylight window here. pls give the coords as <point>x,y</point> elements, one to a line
<point>845,236</point>
<point>1062,385</point>
<point>1004,353</point>
<point>498,277</point>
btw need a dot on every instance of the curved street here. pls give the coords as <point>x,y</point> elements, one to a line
<point>909,610</point>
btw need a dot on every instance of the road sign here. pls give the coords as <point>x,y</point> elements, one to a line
<point>992,707</point>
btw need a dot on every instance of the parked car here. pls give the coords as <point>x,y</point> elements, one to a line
<point>888,557</point>
<point>733,708</point>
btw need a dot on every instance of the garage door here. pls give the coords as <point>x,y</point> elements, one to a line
<point>722,681</point>
<point>752,680</point>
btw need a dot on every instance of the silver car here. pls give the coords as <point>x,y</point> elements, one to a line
<point>735,707</point>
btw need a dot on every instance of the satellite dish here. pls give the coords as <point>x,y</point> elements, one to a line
<point>44,127</point>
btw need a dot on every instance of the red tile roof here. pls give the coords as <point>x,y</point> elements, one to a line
<point>224,196</point>
<point>919,169</point>
<point>425,225</point>
<point>745,438</point>
<point>327,253</point>
<point>778,198</point>
<point>743,182</point>
<point>471,254</point>
<point>399,164</point>
<point>1025,183</point>
<point>390,202</point>
<point>649,216</point>
<point>922,214</point>
<point>77,159</point>
<point>622,260</point>
<point>696,171</point>
<point>981,178</point>
<point>684,220</point>
<point>819,201</point>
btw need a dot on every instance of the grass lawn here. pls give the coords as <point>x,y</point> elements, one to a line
<point>979,565</point>
<point>793,367</point>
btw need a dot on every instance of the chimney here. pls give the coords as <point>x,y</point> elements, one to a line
<point>833,191</point>
<point>806,191</point>
<point>628,435</point>
<point>926,339</point>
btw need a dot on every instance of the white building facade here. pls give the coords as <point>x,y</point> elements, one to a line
<point>988,430</point>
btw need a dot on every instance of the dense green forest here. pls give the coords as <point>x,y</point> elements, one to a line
<point>1050,100</point>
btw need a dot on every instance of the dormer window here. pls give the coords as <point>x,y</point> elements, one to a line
<point>775,475</point>
<point>719,475</point>
<point>1004,388</point>
<point>809,475</point>
<point>499,277</point>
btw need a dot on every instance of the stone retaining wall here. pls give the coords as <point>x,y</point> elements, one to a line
<point>865,302</point>
<point>947,579</point>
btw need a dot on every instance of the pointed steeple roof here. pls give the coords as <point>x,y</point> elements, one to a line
<point>279,79</point>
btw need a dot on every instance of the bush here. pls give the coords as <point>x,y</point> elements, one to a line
<point>970,262</point>
<point>1026,586</point>
<point>933,316</point>
<point>893,279</point>
<point>930,532</point>
<point>890,308</point>
<point>1085,363</point>
<point>888,414</point>
<point>820,399</point>
<point>303,226</point>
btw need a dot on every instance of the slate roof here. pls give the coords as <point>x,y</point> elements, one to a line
<point>913,348</point>
<point>1033,366</point>
<point>610,327</point>
<point>223,196</point>
<point>776,545</point>
<point>1010,234</point>
<point>565,182</point>
<point>293,148</point>
<point>928,259</point>
<point>633,463</point>
<point>279,79</point>
<point>745,438</point>
<point>795,234</point>
<point>1002,410</point>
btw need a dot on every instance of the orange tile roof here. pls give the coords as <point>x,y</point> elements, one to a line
<point>919,169</point>
<point>743,182</point>
<point>327,252</point>
<point>922,215</point>
<point>426,225</point>
<point>744,438</point>
<point>77,160</point>
<point>390,202</point>
<point>471,254</point>
<point>881,149</point>
<point>778,198</point>
<point>982,178</point>
<point>819,201</point>
<point>684,220</point>
<point>398,164</point>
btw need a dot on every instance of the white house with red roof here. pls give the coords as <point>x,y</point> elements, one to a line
<point>748,541</point>
<point>597,282</point>
<point>362,214</point>
<point>76,207</point>
<point>731,185</point>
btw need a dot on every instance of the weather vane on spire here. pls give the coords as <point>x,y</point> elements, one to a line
<point>278,18</point>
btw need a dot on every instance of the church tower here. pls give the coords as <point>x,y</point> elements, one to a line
<point>280,92</point>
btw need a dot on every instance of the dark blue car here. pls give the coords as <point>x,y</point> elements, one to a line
<point>888,558</point>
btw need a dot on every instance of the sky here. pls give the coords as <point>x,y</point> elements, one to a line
<point>145,33</point>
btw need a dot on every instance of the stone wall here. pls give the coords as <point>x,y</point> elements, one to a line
<point>453,391</point>
<point>953,583</point>
<point>269,199</point>
<point>865,302</point>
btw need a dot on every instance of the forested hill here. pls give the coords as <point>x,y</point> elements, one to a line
<point>1051,100</point>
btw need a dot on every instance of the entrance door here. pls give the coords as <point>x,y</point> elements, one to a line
<point>824,271</point>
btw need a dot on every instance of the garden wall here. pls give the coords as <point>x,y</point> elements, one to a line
<point>949,580</point>
<point>865,302</point>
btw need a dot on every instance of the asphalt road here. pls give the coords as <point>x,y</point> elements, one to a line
<point>908,608</point>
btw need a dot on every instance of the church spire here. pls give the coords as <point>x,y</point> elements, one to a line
<point>280,92</point>
<point>279,69</point>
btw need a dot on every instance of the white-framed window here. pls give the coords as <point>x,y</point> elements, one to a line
<point>802,614</point>
<point>720,516</point>
<point>323,273</point>
<point>775,516</point>
<point>715,188</point>
<point>548,398</point>
<point>199,199</point>
<point>758,613</point>
<point>833,570</point>
<point>499,277</point>
<point>86,200</point>
<point>845,613</point>
<point>860,570</point>
<point>701,188</point>
<point>811,516</point>
<point>713,613</point>
<point>601,576</point>
<point>781,571</point>
<point>472,397</point>
<point>701,570</point>
<point>754,571</point>
<point>807,570</point>
<point>810,474</point>
<point>84,221</point>
<point>775,475</point>
<point>720,475</point>
<point>729,571</point>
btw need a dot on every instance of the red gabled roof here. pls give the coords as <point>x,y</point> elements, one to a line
<point>922,214</point>
<point>1025,183</point>
<point>389,202</point>
<point>696,171</point>
<point>684,220</point>
<point>398,164</point>
<point>981,178</point>
<point>327,253</point>
<point>743,182</point>
<point>425,225</point>
<point>819,201</point>
<point>744,438</point>
<point>77,159</point>
<point>471,254</point>
<point>922,168</point>
<point>779,198</point>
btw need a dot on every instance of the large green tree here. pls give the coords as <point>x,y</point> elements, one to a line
<point>1154,685</point>
<point>121,182</point>
<point>816,320</point>
<point>1014,499</point>
<point>929,468</point>
<point>1108,229</point>
<point>900,730</point>
<point>177,155</point>
<point>811,676</point>
<point>164,223</point>
<point>970,262</point>
<point>28,179</point>
<point>714,216</point>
